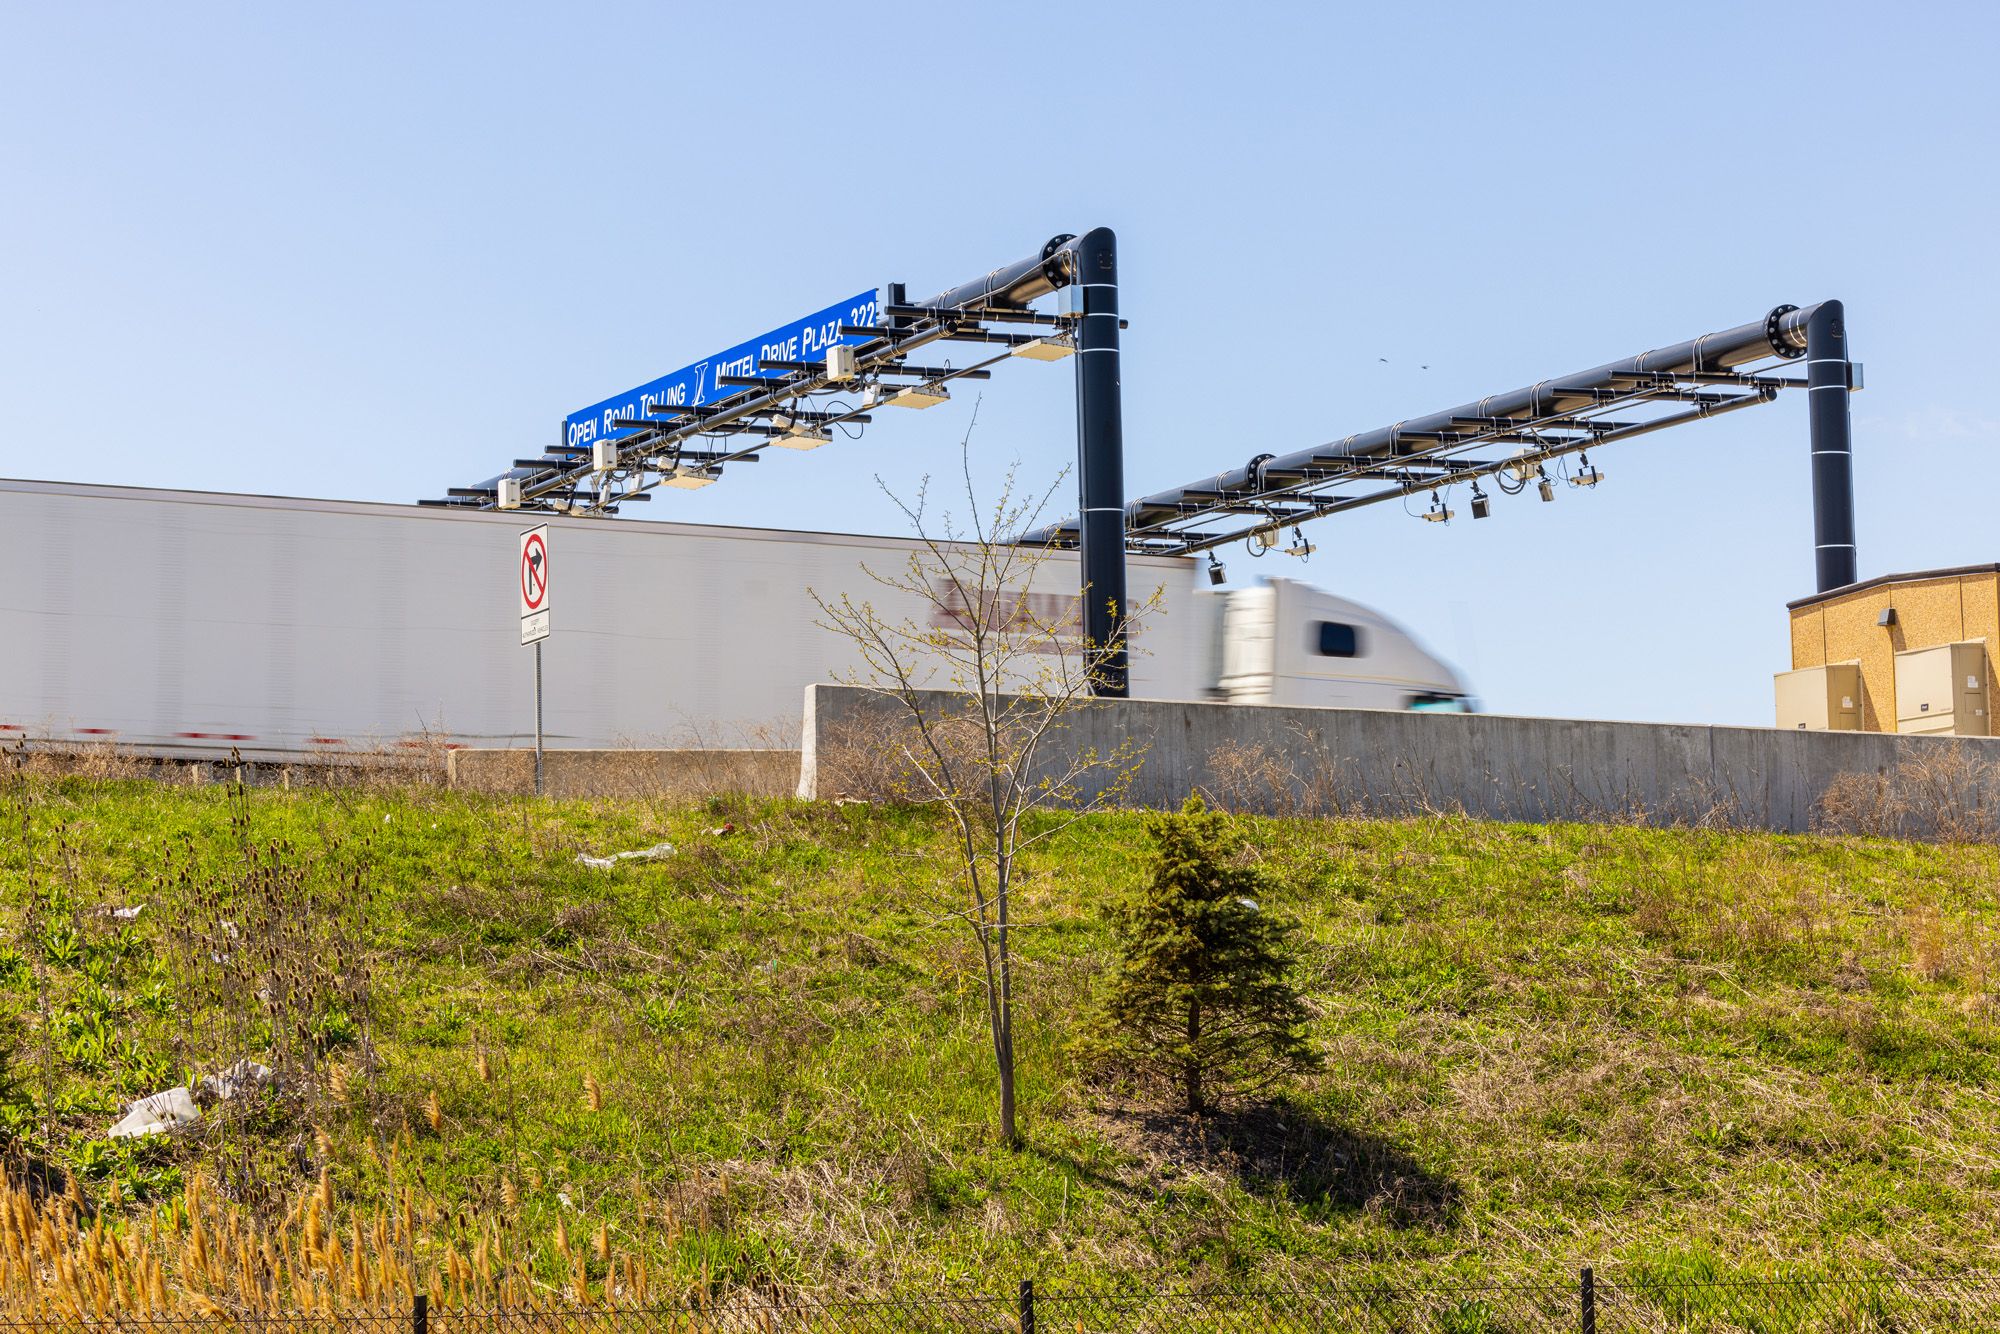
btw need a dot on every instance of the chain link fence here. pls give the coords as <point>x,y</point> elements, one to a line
<point>1592,1304</point>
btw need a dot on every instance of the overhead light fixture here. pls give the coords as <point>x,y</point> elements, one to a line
<point>1586,475</point>
<point>1437,513</point>
<point>921,396</point>
<point>1045,349</point>
<point>1216,574</point>
<point>1545,486</point>
<point>688,478</point>
<point>798,435</point>
<point>1482,504</point>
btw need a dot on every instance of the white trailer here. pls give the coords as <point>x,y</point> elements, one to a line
<point>181,623</point>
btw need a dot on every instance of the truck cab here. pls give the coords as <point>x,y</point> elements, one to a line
<point>1288,643</point>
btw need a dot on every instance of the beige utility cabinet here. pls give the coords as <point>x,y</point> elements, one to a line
<point>1943,690</point>
<point>1821,699</point>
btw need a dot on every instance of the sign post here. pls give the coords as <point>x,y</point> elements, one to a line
<point>532,579</point>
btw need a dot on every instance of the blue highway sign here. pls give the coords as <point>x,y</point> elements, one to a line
<point>805,339</point>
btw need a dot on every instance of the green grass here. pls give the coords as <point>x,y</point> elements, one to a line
<point>1689,1053</point>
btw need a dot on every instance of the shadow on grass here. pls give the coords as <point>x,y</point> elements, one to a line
<point>1320,1165</point>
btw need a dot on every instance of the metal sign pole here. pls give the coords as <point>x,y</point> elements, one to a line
<point>533,578</point>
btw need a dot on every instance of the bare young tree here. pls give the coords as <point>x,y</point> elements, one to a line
<point>984,679</point>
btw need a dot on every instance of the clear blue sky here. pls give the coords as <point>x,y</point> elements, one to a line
<point>371,251</point>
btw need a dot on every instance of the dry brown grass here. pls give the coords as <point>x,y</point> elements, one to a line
<point>93,760</point>
<point>408,763</point>
<point>674,776</point>
<point>66,1258</point>
<point>858,762</point>
<point>1944,795</point>
<point>1247,778</point>
<point>1299,778</point>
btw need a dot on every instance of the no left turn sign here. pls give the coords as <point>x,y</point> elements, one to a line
<point>534,584</point>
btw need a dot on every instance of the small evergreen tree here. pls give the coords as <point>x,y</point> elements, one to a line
<point>1203,994</point>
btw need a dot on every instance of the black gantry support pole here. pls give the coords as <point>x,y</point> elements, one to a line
<point>1100,448</point>
<point>1829,378</point>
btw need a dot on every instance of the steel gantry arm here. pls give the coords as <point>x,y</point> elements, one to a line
<point>782,398</point>
<point>798,404</point>
<point>1520,431</point>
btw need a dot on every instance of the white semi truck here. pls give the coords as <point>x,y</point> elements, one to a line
<point>190,624</point>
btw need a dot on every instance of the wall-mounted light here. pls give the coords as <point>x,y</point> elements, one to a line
<point>1887,618</point>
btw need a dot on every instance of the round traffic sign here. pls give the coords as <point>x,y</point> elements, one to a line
<point>534,572</point>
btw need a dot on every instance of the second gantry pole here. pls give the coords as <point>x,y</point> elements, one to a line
<point>1100,460</point>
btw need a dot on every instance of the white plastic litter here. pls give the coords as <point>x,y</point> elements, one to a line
<point>654,853</point>
<point>239,1080</point>
<point>157,1113</point>
<point>116,914</point>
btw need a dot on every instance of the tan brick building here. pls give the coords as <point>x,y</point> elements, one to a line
<point>1902,652</point>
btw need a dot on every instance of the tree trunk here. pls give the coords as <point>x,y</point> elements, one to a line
<point>1003,1032</point>
<point>1192,1069</point>
<point>1010,1135</point>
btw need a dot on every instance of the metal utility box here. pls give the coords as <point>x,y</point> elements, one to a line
<point>1943,689</point>
<point>1820,699</point>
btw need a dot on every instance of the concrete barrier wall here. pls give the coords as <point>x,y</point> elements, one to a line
<point>628,773</point>
<point>1281,760</point>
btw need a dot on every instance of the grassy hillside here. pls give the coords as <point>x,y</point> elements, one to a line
<point>762,1058</point>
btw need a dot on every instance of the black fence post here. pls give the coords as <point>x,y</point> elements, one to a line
<point>420,1314</point>
<point>1586,1292</point>
<point>1027,1306</point>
